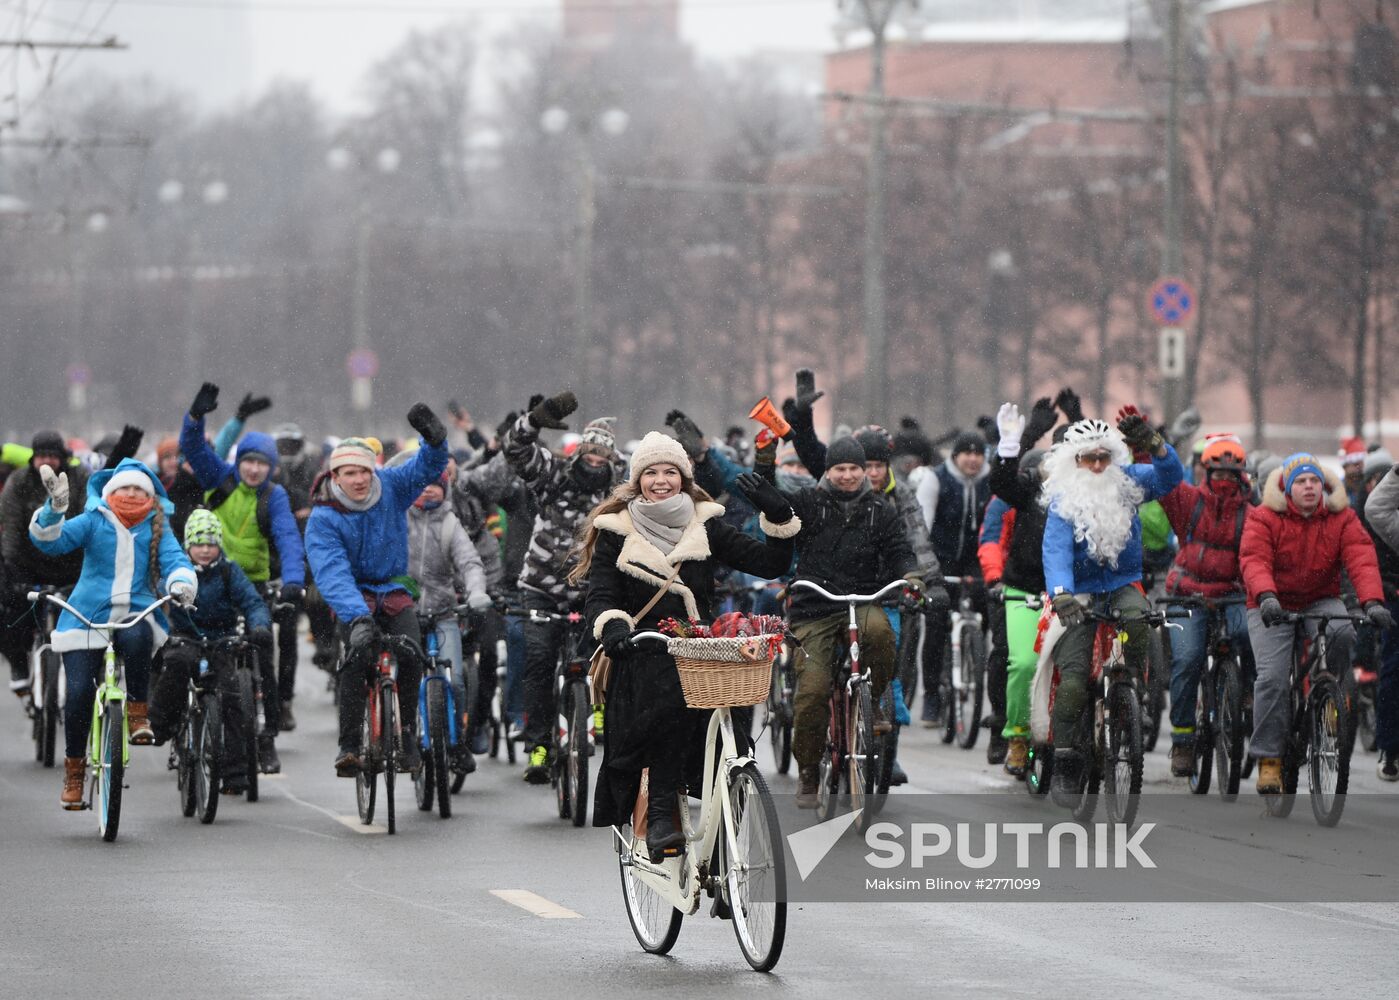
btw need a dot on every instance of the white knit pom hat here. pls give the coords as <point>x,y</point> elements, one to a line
<point>656,448</point>
<point>128,477</point>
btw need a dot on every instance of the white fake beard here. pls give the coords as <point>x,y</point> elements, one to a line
<point>1100,506</point>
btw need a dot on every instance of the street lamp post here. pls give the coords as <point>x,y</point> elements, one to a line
<point>213,194</point>
<point>613,122</point>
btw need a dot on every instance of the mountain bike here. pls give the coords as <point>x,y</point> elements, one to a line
<point>964,670</point>
<point>44,705</point>
<point>734,854</point>
<point>381,732</point>
<point>779,711</point>
<point>855,740</point>
<point>1108,731</point>
<point>1320,728</point>
<point>199,741</point>
<point>438,728</point>
<point>1219,701</point>
<point>109,748</point>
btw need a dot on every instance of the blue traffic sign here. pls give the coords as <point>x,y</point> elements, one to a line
<point>1171,300</point>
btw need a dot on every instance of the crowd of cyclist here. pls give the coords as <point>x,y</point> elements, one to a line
<point>249,530</point>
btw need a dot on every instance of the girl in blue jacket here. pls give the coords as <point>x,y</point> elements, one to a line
<point>129,558</point>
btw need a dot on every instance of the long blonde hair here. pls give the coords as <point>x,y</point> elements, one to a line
<point>617,501</point>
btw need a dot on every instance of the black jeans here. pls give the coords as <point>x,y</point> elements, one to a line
<point>355,670</point>
<point>541,658</point>
<point>168,702</point>
<point>286,621</point>
<point>485,633</point>
<point>997,664</point>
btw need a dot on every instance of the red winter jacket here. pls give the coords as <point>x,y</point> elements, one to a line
<point>1300,558</point>
<point>1208,561</point>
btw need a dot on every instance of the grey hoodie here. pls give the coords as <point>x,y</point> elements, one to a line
<point>441,558</point>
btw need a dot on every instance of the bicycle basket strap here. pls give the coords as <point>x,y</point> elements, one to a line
<point>600,668</point>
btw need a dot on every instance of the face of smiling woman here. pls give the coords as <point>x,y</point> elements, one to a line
<point>660,482</point>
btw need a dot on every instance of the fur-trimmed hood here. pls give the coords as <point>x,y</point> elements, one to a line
<point>1275,497</point>
<point>641,559</point>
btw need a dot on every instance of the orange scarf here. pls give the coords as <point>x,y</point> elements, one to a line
<point>130,511</point>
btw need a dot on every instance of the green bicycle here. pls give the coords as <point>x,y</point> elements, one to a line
<point>109,748</point>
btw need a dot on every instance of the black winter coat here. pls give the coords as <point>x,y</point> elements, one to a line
<point>847,553</point>
<point>1024,569</point>
<point>24,494</point>
<point>645,707</point>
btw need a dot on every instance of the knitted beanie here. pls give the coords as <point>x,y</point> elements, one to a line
<point>352,451</point>
<point>128,477</point>
<point>599,437</point>
<point>877,443</point>
<point>844,451</point>
<point>49,443</point>
<point>968,441</point>
<point>1298,464</point>
<point>655,449</point>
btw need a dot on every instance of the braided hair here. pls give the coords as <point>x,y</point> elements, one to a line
<point>157,530</point>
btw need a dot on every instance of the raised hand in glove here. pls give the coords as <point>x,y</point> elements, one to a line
<point>1043,417</point>
<point>1069,405</point>
<point>549,414</point>
<point>689,435</point>
<point>1379,615</point>
<point>764,497</point>
<point>425,422</point>
<point>1010,425</point>
<point>1069,609</point>
<point>1270,610</point>
<point>56,485</point>
<point>127,445</point>
<point>1139,435</point>
<point>251,405</point>
<point>206,401</point>
<point>765,448</point>
<point>806,389</point>
<point>479,600</point>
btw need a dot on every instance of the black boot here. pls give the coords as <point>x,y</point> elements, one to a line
<point>267,760</point>
<point>411,759</point>
<point>662,837</point>
<point>1068,778</point>
<point>996,749</point>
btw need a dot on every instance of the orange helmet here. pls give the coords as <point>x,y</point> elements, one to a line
<point>1223,452</point>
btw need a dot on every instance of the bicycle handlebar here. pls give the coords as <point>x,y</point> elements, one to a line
<point>99,626</point>
<point>851,598</point>
<point>433,617</point>
<point>1297,617</point>
<point>1153,618</point>
<point>1198,601</point>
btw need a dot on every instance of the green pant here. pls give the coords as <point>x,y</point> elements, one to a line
<point>1074,656</point>
<point>823,642</point>
<point>1022,628</point>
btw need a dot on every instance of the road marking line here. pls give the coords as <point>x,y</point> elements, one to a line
<point>536,904</point>
<point>354,824</point>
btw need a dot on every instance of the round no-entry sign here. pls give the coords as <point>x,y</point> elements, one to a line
<point>79,374</point>
<point>1171,301</point>
<point>362,363</point>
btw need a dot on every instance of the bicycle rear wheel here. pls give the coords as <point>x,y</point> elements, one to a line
<point>576,762</point>
<point>366,785</point>
<point>1039,768</point>
<point>909,665</point>
<point>1202,751</point>
<point>48,715</point>
<point>207,727</point>
<point>1090,777</point>
<point>862,757</point>
<point>389,742</point>
<point>111,768</point>
<point>437,748</point>
<point>779,718</point>
<point>968,700</point>
<point>424,780</point>
<point>1122,764</point>
<point>756,878</point>
<point>1228,730</point>
<point>1153,693</point>
<point>1328,762</point>
<point>654,921</point>
<point>185,750</point>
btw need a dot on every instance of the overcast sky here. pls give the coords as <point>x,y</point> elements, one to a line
<point>228,48</point>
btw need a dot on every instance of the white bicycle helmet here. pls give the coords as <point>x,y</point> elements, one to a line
<point>1087,433</point>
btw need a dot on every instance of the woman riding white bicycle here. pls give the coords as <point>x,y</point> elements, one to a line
<point>660,531</point>
<point>128,557</point>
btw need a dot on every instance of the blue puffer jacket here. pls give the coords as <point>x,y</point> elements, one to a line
<point>116,560</point>
<point>225,592</point>
<point>350,551</point>
<point>1068,568</point>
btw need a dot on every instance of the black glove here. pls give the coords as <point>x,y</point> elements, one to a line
<point>936,600</point>
<point>549,414</point>
<point>503,428</point>
<point>1069,405</point>
<point>364,634</point>
<point>689,435</point>
<point>764,497</point>
<point>205,401</point>
<point>1043,417</point>
<point>1379,615</point>
<point>987,425</point>
<point>806,389</point>
<point>261,637</point>
<point>127,446</point>
<point>996,591</point>
<point>534,400</point>
<point>1070,611</point>
<point>1270,610</point>
<point>291,594</point>
<point>251,405</point>
<point>425,422</point>
<point>614,638</point>
<point>1139,435</point>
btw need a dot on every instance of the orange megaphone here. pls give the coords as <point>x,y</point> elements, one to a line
<point>770,417</point>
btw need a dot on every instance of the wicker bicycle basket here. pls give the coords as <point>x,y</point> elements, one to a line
<point>723,673</point>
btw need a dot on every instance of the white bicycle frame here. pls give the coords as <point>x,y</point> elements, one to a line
<point>681,880</point>
<point>957,616</point>
<point>36,657</point>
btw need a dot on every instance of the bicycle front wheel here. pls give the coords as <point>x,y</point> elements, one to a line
<point>111,768</point>
<point>389,742</point>
<point>756,879</point>
<point>654,921</point>
<point>969,698</point>
<point>247,698</point>
<point>185,749</point>
<point>576,761</point>
<point>366,785</point>
<point>1122,765</point>
<point>862,757</point>
<point>1153,695</point>
<point>1202,750</point>
<point>437,749</point>
<point>49,714</point>
<point>1228,730</point>
<point>206,728</point>
<point>1328,763</point>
